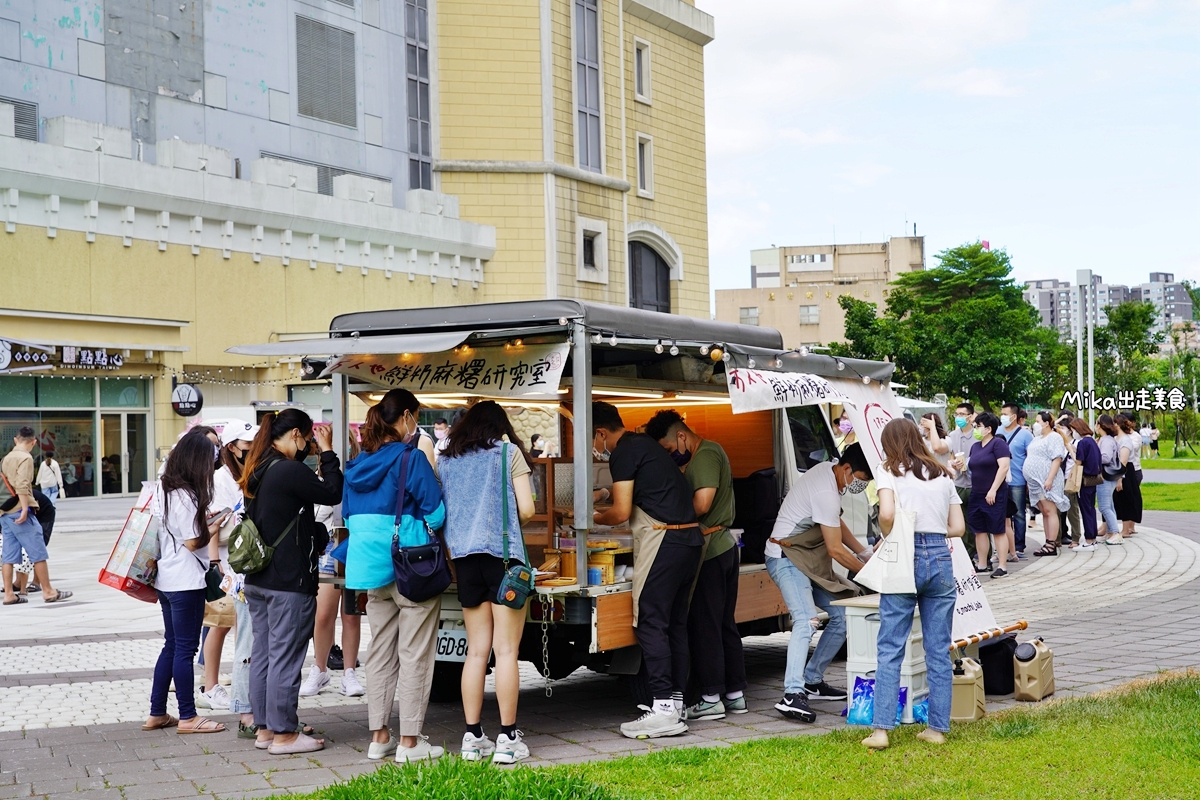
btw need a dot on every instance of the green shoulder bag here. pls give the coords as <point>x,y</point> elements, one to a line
<point>248,553</point>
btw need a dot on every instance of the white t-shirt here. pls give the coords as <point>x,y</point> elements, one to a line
<point>1145,432</point>
<point>931,500</point>
<point>227,494</point>
<point>179,569</point>
<point>813,500</point>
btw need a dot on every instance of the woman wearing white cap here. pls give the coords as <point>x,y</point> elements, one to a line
<point>235,441</point>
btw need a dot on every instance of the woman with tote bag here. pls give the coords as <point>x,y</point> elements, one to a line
<point>911,481</point>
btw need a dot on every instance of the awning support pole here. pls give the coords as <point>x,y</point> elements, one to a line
<point>341,422</point>
<point>582,391</point>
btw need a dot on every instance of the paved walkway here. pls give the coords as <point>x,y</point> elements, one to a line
<point>1152,474</point>
<point>1110,615</point>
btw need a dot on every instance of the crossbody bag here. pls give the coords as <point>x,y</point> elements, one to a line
<point>517,584</point>
<point>421,571</point>
<point>248,553</point>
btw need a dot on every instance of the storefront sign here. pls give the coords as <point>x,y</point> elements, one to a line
<point>186,400</point>
<point>90,358</point>
<point>508,371</point>
<point>972,614</point>
<point>761,390</point>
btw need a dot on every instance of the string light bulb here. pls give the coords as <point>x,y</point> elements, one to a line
<point>803,351</point>
<point>866,380</point>
<point>596,338</point>
<point>778,362</point>
<point>613,339</point>
<point>725,357</point>
<point>715,353</point>
<point>658,348</point>
<point>841,365</point>
<point>750,362</point>
<point>674,349</point>
<point>703,349</point>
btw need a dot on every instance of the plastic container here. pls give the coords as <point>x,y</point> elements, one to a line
<point>1033,671</point>
<point>968,702</point>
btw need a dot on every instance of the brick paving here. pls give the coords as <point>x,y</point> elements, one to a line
<point>1110,616</point>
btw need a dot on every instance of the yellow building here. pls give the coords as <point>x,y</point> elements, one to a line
<point>523,153</point>
<point>796,289</point>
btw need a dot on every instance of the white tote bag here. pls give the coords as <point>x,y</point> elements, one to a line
<point>890,570</point>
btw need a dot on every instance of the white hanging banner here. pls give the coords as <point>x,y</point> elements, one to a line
<point>761,390</point>
<point>508,371</point>
<point>870,407</point>
<point>972,614</point>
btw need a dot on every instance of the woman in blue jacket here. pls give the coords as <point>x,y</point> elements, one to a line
<point>403,633</point>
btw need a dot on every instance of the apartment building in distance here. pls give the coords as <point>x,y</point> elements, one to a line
<point>796,289</point>
<point>1057,302</point>
<point>178,178</point>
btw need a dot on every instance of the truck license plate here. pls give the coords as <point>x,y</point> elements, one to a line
<point>451,645</point>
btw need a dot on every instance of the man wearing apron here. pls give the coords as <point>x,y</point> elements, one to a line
<point>809,535</point>
<point>653,495</point>
<point>718,663</point>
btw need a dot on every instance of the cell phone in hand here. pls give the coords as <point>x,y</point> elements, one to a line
<point>216,515</point>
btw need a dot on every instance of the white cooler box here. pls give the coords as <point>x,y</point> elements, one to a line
<point>862,633</point>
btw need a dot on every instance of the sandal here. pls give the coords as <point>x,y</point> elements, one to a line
<point>17,600</point>
<point>205,725</point>
<point>167,722</point>
<point>1048,549</point>
<point>62,594</point>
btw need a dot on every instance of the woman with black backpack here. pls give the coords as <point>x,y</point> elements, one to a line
<point>280,492</point>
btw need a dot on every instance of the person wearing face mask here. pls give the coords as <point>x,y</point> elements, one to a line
<point>652,494</point>
<point>809,535</point>
<point>1018,438</point>
<point>959,440</point>
<point>280,493</point>
<point>988,503</point>
<point>846,436</point>
<point>1044,475</point>
<point>441,430</point>
<point>717,671</point>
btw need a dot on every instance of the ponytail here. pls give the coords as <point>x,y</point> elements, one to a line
<point>271,427</point>
<point>380,427</point>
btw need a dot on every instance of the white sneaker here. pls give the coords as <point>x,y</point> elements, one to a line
<point>652,725</point>
<point>510,750</point>
<point>476,748</point>
<point>215,698</point>
<point>1089,546</point>
<point>314,683</point>
<point>378,752</point>
<point>225,679</point>
<point>351,687</point>
<point>423,751</point>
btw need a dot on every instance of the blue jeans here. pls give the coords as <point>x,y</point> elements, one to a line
<point>243,643</point>
<point>1019,494</point>
<point>183,613</point>
<point>803,598</point>
<point>52,493</point>
<point>1104,501</point>
<point>934,573</point>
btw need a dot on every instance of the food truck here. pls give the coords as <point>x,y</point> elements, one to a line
<point>767,406</point>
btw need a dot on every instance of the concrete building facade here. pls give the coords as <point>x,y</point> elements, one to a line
<point>1057,302</point>
<point>796,289</point>
<point>179,178</point>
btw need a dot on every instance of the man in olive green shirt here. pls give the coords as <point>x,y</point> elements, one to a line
<point>718,665</point>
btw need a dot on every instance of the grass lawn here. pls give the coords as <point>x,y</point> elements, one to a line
<point>1143,742</point>
<point>1165,460</point>
<point>1171,496</point>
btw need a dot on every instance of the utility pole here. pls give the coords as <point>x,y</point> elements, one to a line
<point>1087,306</point>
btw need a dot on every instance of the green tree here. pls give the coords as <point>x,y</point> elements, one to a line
<point>1132,342</point>
<point>1193,290</point>
<point>962,328</point>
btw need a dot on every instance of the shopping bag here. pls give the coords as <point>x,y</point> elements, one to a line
<point>132,564</point>
<point>862,702</point>
<point>890,570</point>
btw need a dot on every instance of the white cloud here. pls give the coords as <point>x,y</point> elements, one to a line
<point>973,82</point>
<point>864,175</point>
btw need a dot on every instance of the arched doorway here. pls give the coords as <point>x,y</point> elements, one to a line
<point>649,279</point>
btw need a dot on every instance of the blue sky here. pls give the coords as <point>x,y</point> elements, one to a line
<point>1067,133</point>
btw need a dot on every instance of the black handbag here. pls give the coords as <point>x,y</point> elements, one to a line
<point>517,583</point>
<point>212,584</point>
<point>421,571</point>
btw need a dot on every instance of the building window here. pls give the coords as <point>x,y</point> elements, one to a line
<point>748,316</point>
<point>587,84</point>
<point>591,247</point>
<point>810,315</point>
<point>645,166</point>
<point>641,71</point>
<point>25,119</point>
<point>420,117</point>
<point>325,82</point>
<point>649,279</point>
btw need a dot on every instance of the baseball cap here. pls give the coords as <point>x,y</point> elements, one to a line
<point>238,430</point>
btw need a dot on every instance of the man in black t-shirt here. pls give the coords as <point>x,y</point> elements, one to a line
<point>652,494</point>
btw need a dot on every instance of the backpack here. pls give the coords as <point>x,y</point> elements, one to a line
<point>248,553</point>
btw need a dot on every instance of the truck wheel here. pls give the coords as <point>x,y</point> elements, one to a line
<point>447,682</point>
<point>639,687</point>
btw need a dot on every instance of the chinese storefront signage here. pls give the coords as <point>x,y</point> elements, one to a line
<point>760,390</point>
<point>508,371</point>
<point>90,358</point>
<point>186,400</point>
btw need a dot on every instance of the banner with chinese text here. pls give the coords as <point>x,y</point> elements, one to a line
<point>490,371</point>
<point>761,390</point>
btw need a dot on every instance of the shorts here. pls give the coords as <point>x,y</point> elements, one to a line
<point>27,537</point>
<point>479,576</point>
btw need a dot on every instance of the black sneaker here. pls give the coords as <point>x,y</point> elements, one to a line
<point>1000,572</point>
<point>336,660</point>
<point>795,706</point>
<point>823,691</point>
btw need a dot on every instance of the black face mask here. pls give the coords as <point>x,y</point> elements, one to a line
<point>240,456</point>
<point>302,453</point>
